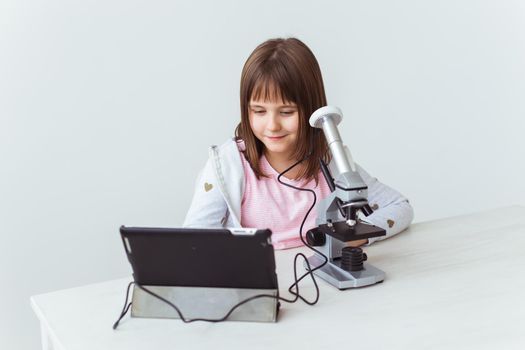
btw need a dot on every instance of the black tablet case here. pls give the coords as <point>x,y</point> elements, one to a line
<point>200,257</point>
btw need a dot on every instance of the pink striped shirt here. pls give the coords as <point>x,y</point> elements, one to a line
<point>268,204</point>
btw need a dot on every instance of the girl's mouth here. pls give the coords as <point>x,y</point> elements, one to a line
<point>275,138</point>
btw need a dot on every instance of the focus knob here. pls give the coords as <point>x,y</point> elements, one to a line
<point>315,237</point>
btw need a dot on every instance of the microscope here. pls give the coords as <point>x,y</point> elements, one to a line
<point>338,219</point>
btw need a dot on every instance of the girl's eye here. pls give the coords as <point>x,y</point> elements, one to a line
<point>258,111</point>
<point>287,112</point>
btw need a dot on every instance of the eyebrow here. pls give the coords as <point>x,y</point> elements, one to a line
<point>252,105</point>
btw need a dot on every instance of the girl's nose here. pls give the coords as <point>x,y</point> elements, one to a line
<point>273,122</point>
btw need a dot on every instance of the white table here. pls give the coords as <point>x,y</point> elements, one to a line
<point>455,283</point>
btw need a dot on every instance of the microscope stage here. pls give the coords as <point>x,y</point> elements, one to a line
<point>342,232</point>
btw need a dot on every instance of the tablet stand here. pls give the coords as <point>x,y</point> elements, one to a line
<point>205,303</point>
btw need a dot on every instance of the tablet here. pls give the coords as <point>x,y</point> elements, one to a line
<point>195,257</point>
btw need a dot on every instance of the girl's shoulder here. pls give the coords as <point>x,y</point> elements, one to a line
<point>228,148</point>
<point>229,145</point>
<point>231,154</point>
<point>241,146</point>
<point>228,155</point>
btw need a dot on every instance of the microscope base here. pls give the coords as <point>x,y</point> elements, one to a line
<point>343,279</point>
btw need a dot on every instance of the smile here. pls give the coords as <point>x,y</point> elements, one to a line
<point>275,138</point>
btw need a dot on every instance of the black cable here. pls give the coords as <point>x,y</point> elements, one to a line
<point>295,285</point>
<point>309,270</point>
<point>126,306</point>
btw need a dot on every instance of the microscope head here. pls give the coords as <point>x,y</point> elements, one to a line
<point>343,169</point>
<point>338,212</point>
<point>329,112</point>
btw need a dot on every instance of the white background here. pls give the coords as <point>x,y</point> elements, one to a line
<point>107,109</point>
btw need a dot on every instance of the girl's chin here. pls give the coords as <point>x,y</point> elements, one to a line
<point>277,148</point>
<point>280,146</point>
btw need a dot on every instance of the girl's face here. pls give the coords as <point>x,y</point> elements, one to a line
<point>275,124</point>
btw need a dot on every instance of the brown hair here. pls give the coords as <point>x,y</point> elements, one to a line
<point>284,69</point>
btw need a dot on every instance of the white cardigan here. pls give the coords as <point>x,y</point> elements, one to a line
<point>220,186</point>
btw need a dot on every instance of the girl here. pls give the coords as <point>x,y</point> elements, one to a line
<point>281,86</point>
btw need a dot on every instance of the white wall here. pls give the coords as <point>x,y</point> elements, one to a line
<point>107,109</point>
